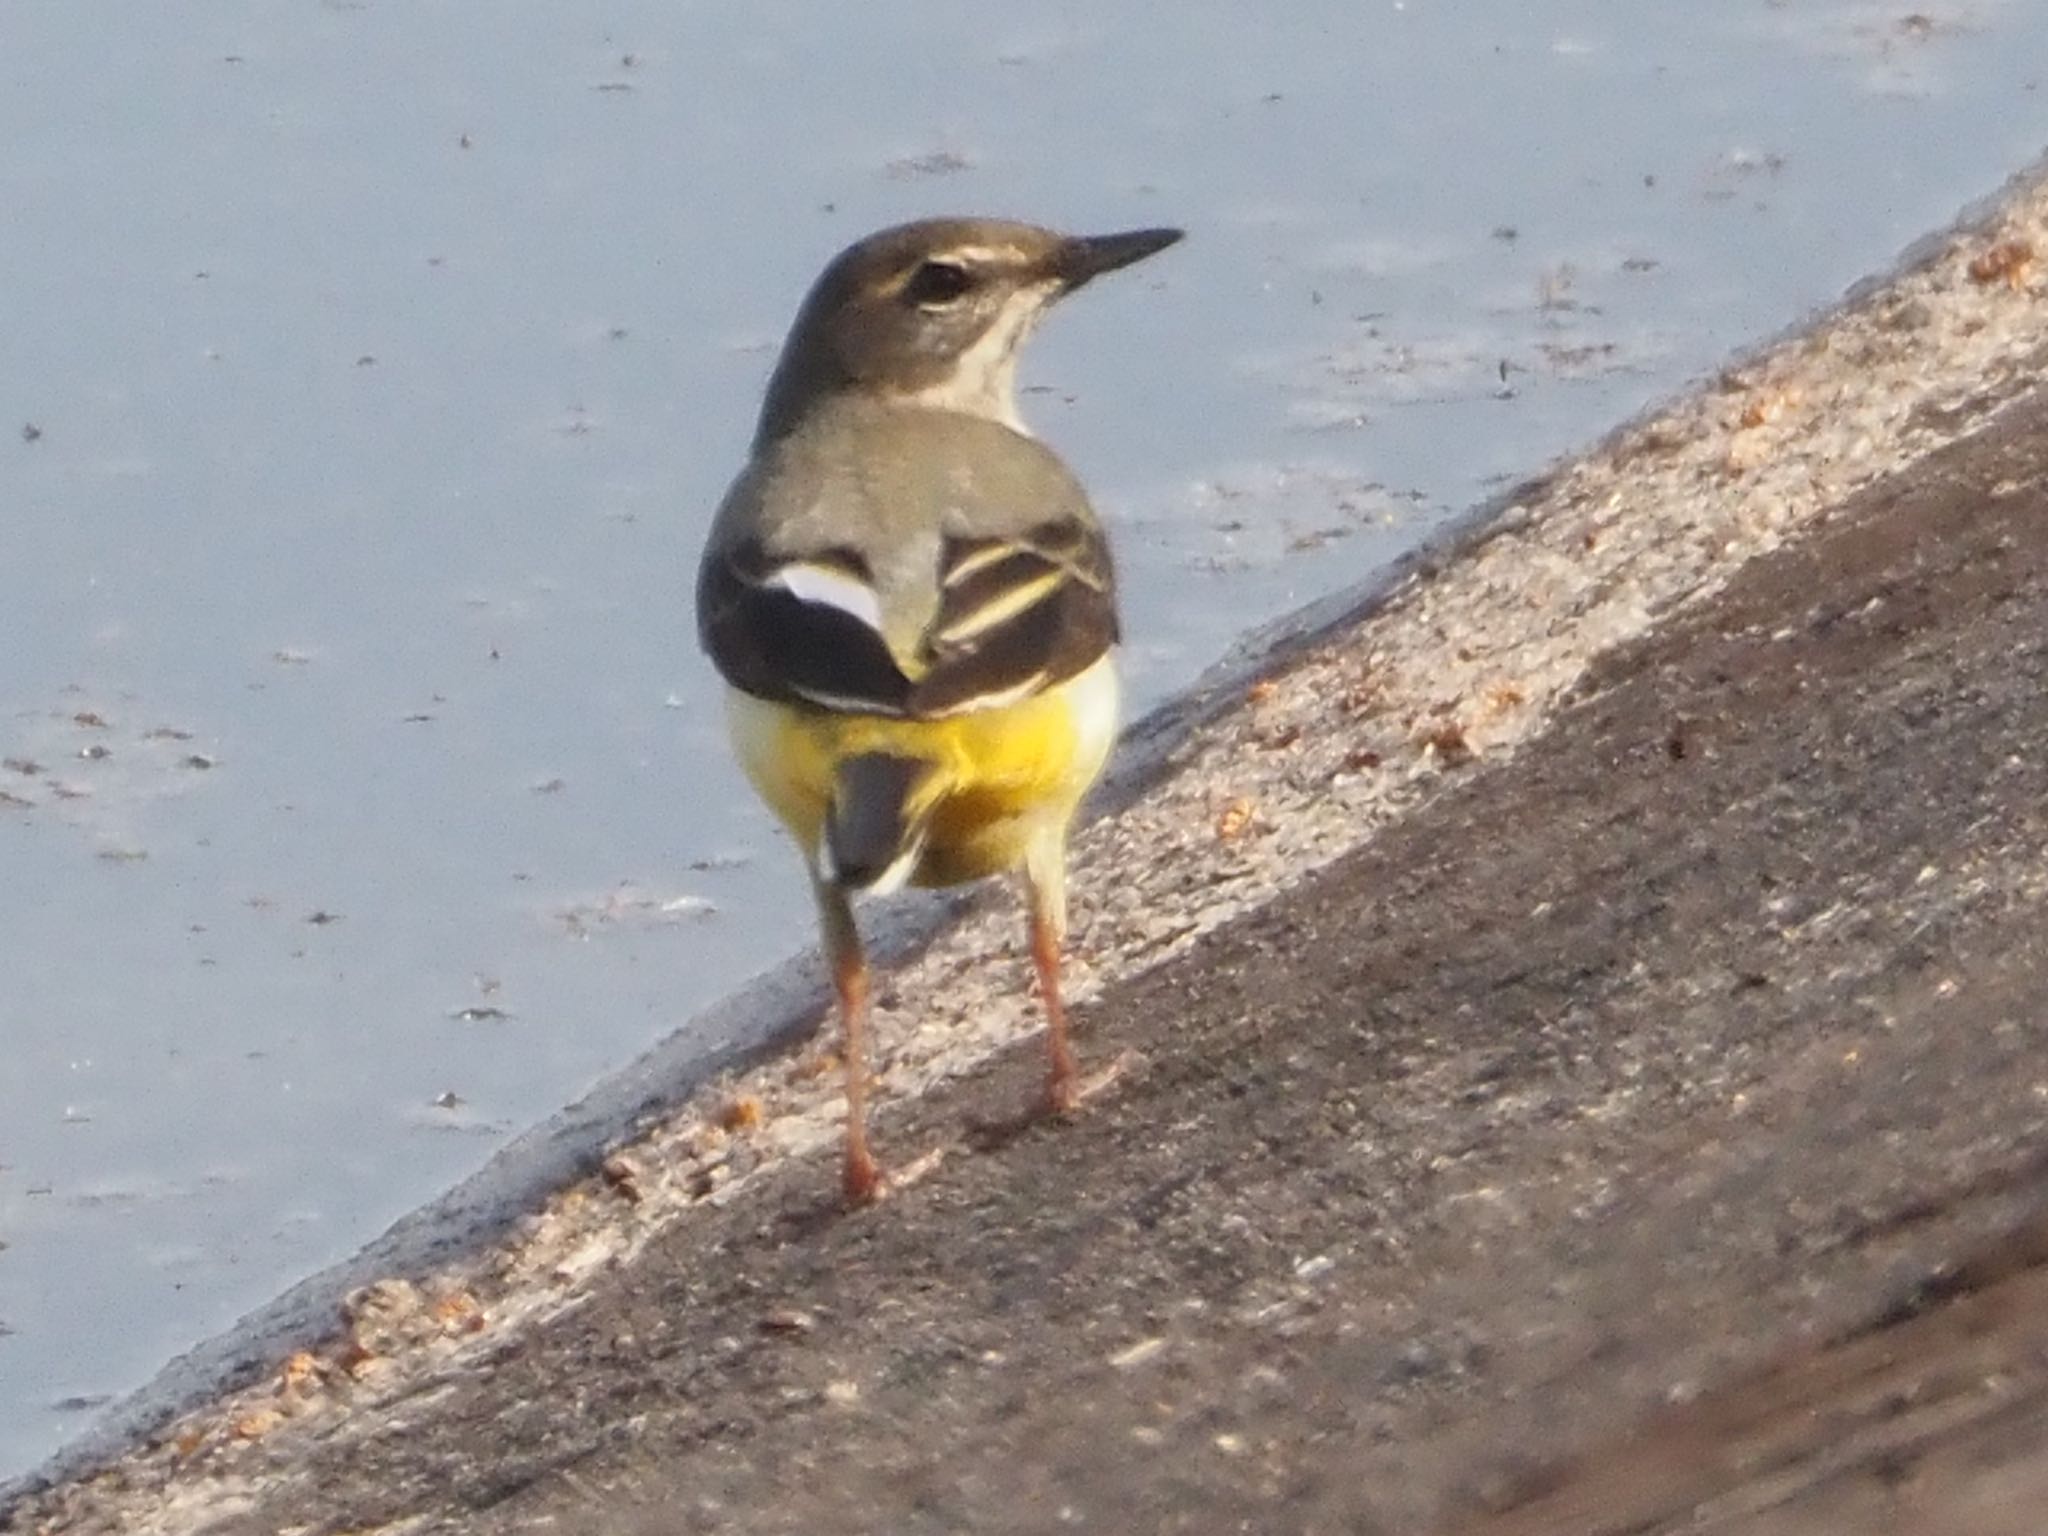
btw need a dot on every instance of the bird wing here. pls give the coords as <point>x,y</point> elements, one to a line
<point>983,620</point>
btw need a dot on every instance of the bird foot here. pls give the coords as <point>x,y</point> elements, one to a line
<point>860,1180</point>
<point>1067,1092</point>
<point>864,1183</point>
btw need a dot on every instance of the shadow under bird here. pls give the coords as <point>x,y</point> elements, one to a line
<point>912,602</point>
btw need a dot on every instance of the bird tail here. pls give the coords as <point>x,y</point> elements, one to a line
<point>874,831</point>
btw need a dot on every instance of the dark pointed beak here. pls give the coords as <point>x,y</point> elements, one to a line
<point>1086,257</point>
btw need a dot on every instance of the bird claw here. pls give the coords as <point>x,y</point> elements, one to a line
<point>865,1184</point>
<point>861,1180</point>
<point>1067,1092</point>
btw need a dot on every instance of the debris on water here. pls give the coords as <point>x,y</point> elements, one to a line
<point>942,162</point>
<point>1554,287</point>
<point>714,861</point>
<point>629,903</point>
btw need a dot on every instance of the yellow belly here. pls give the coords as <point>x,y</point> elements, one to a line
<point>1005,778</point>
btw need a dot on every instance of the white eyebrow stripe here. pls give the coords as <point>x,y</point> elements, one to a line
<point>976,254</point>
<point>830,588</point>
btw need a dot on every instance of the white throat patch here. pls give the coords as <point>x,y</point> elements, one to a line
<point>984,378</point>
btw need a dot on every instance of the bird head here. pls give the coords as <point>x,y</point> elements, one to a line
<point>932,314</point>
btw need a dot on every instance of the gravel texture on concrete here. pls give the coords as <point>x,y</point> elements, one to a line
<point>1599,977</point>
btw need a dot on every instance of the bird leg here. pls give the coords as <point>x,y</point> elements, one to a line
<point>1048,932</point>
<point>861,1178</point>
<point>1045,888</point>
<point>1063,1074</point>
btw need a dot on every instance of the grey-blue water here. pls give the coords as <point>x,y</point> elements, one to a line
<point>368,371</point>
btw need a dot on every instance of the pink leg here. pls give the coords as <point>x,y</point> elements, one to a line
<point>861,1178</point>
<point>1062,1075</point>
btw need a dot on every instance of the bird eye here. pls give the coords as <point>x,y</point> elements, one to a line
<point>935,283</point>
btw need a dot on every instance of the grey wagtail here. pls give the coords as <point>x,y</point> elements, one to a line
<point>912,602</point>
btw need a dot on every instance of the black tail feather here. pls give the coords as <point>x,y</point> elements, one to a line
<point>872,824</point>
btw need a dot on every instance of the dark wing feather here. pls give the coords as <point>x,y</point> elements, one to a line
<point>1014,614</point>
<point>767,641</point>
<point>1037,608</point>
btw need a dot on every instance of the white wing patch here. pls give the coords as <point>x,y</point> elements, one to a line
<point>831,589</point>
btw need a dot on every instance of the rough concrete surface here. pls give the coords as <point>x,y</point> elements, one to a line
<point>1586,1073</point>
